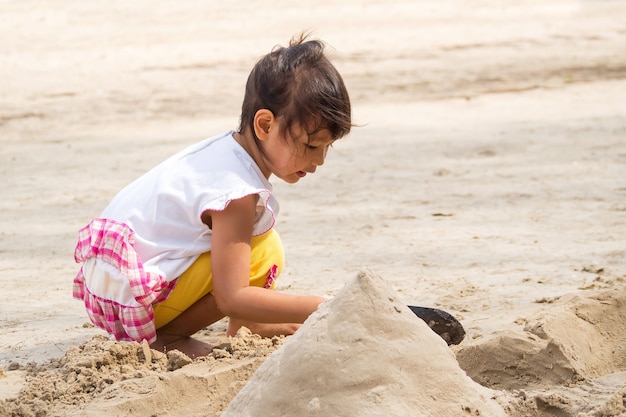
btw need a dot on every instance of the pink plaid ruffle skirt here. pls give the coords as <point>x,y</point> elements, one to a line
<point>112,242</point>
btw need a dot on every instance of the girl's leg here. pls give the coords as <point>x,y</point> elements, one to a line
<point>189,308</point>
<point>177,333</point>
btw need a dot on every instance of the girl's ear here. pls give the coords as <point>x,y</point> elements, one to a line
<point>264,121</point>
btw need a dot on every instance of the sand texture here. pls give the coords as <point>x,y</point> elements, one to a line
<point>486,177</point>
<point>380,360</point>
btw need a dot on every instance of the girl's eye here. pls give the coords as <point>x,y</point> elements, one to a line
<point>311,147</point>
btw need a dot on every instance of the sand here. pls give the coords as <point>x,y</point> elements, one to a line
<point>487,178</point>
<point>379,359</point>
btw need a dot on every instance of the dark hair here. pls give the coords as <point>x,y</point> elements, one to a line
<point>300,86</point>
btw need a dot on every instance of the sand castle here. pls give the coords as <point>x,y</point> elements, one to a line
<point>363,353</point>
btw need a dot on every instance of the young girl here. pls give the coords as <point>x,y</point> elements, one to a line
<point>193,240</point>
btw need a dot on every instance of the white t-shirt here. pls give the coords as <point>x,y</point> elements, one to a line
<point>164,206</point>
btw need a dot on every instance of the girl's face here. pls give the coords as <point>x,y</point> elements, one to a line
<point>293,157</point>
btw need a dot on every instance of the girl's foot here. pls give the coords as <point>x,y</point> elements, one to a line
<point>188,345</point>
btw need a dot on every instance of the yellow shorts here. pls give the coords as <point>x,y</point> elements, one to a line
<point>267,261</point>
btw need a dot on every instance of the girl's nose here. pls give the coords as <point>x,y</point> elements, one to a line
<point>320,156</point>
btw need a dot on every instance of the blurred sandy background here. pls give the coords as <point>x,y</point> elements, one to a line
<point>488,176</point>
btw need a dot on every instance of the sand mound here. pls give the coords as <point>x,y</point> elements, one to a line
<point>103,377</point>
<point>363,353</point>
<point>569,361</point>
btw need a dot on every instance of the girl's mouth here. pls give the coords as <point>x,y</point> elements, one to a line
<point>300,174</point>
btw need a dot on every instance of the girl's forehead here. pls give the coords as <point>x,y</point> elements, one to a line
<point>319,137</point>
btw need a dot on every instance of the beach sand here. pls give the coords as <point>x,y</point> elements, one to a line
<point>486,177</point>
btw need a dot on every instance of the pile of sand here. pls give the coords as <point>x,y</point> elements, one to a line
<point>103,377</point>
<point>362,353</point>
<point>570,360</point>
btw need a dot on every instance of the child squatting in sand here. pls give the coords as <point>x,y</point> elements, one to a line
<point>193,239</point>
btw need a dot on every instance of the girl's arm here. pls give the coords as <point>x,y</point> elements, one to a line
<point>230,260</point>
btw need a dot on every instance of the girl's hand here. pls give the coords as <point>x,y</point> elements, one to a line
<point>262,329</point>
